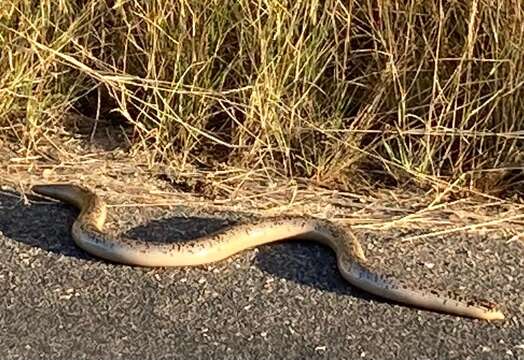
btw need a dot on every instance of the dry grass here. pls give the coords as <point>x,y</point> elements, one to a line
<point>136,185</point>
<point>348,95</point>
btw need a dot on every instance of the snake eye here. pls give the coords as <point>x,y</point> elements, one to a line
<point>483,303</point>
<point>488,304</point>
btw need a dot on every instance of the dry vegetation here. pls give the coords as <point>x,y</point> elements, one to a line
<point>347,95</point>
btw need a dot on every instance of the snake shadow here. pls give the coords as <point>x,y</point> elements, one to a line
<point>300,261</point>
<point>48,226</point>
<point>39,224</point>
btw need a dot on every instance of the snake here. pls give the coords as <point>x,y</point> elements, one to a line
<point>88,234</point>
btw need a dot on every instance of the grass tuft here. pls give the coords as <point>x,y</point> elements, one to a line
<point>376,92</point>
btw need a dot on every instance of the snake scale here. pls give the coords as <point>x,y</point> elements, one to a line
<point>87,232</point>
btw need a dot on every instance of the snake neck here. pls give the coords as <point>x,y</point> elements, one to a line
<point>365,278</point>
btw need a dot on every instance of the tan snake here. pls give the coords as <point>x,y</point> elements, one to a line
<point>87,234</point>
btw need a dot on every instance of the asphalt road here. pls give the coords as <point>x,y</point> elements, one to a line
<point>279,301</point>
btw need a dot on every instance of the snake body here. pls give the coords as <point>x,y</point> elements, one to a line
<point>87,232</point>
